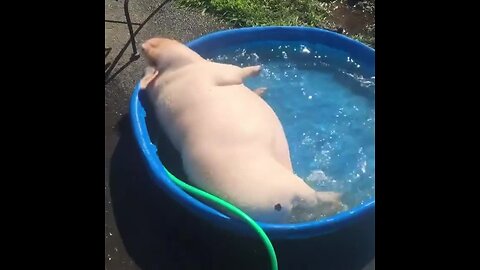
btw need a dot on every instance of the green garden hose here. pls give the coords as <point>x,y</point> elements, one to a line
<point>200,193</point>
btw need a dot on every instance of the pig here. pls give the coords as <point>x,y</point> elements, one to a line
<point>231,142</point>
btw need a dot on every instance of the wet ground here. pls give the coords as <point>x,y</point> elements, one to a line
<point>146,230</point>
<point>353,19</point>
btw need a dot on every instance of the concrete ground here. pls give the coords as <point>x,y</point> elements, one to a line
<point>146,230</point>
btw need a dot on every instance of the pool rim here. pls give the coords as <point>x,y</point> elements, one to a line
<point>275,231</point>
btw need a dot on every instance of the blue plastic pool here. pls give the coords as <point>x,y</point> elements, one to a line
<point>355,59</point>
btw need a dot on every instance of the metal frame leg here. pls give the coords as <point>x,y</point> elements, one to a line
<point>135,53</point>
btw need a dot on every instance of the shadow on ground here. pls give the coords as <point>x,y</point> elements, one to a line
<point>109,67</point>
<point>159,234</point>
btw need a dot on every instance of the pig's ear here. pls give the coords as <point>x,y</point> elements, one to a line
<point>150,75</point>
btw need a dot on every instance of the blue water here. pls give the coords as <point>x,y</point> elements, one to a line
<point>326,103</point>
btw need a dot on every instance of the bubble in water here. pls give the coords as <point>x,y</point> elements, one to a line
<point>304,49</point>
<point>307,141</point>
<point>364,167</point>
<point>317,176</point>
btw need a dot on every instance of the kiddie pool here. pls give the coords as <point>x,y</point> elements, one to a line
<point>215,41</point>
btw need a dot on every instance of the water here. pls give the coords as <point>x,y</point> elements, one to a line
<point>326,103</point>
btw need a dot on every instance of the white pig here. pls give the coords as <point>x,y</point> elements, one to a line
<point>231,142</point>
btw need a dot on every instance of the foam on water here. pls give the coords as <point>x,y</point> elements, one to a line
<point>325,100</point>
